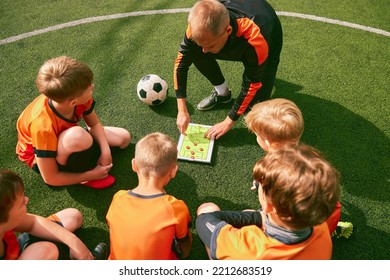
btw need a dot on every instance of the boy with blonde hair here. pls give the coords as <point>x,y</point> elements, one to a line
<point>298,190</point>
<point>41,237</point>
<point>145,223</point>
<point>51,142</point>
<point>278,123</point>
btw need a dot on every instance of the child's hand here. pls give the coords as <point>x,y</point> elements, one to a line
<point>101,172</point>
<point>80,252</point>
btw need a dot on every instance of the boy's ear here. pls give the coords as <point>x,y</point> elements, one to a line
<point>173,171</point>
<point>73,102</point>
<point>133,165</point>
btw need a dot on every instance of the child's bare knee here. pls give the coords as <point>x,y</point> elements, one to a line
<point>207,208</point>
<point>77,217</point>
<point>43,250</point>
<point>50,250</point>
<point>75,139</point>
<point>71,218</point>
<point>125,140</point>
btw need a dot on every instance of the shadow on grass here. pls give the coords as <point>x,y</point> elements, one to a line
<point>360,151</point>
<point>169,108</point>
<point>356,147</point>
<point>92,236</point>
<point>89,236</point>
<point>184,187</point>
<point>238,137</point>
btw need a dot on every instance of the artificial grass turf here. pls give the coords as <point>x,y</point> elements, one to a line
<point>338,77</point>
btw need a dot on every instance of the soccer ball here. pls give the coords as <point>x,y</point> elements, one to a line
<point>152,89</point>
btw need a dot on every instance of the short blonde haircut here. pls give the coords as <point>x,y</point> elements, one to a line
<point>300,184</point>
<point>278,120</point>
<point>62,78</point>
<point>208,16</point>
<point>155,155</point>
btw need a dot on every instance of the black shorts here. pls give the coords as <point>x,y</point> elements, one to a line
<point>79,162</point>
<point>25,239</point>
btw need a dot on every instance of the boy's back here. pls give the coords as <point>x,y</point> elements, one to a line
<point>145,222</point>
<point>144,227</point>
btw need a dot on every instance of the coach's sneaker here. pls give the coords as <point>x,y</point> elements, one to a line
<point>212,100</point>
<point>343,229</point>
<point>100,252</point>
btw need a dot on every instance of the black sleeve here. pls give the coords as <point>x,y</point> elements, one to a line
<point>183,61</point>
<point>239,219</point>
<point>251,84</point>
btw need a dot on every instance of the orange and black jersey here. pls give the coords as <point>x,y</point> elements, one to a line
<point>247,235</point>
<point>39,126</point>
<point>253,23</point>
<point>143,227</point>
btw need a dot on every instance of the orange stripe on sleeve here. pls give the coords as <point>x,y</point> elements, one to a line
<point>177,62</point>
<point>253,88</point>
<point>251,32</point>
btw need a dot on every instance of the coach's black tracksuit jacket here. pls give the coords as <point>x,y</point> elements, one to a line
<point>256,41</point>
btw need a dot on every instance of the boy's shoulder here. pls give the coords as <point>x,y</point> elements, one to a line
<point>37,110</point>
<point>172,198</point>
<point>176,203</point>
<point>39,101</point>
<point>120,193</point>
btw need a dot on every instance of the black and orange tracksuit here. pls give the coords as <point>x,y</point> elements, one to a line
<point>256,41</point>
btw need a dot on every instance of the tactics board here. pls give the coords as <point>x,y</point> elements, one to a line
<point>194,147</point>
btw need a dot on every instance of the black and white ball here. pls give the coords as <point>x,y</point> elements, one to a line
<point>152,89</point>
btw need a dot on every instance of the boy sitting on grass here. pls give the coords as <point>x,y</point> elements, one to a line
<point>34,243</point>
<point>51,142</point>
<point>278,123</point>
<point>145,223</point>
<point>297,190</point>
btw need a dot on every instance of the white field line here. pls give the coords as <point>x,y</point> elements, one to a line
<point>337,22</point>
<point>174,11</point>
